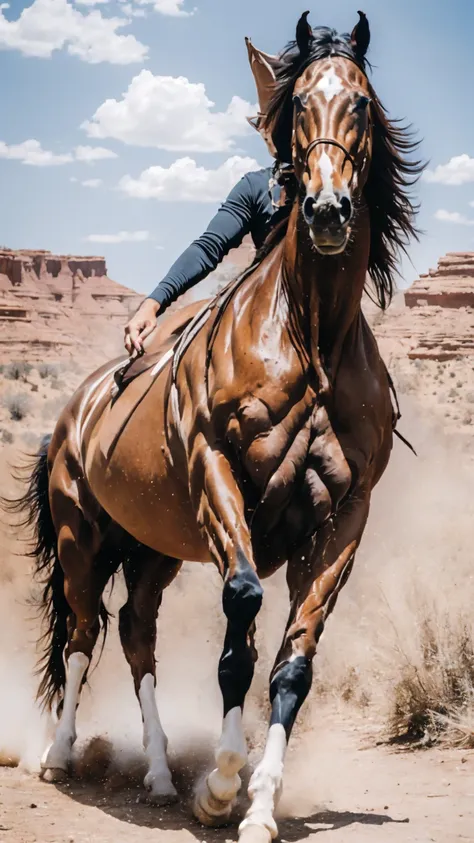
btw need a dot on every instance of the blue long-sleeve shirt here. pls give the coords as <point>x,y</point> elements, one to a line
<point>248,209</point>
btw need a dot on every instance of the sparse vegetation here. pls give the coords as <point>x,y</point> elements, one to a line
<point>7,437</point>
<point>440,686</point>
<point>48,371</point>
<point>17,371</point>
<point>18,406</point>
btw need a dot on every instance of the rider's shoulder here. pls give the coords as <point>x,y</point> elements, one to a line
<point>257,180</point>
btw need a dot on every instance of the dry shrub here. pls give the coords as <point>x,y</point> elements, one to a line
<point>457,728</point>
<point>18,406</point>
<point>440,687</point>
<point>48,370</point>
<point>17,371</point>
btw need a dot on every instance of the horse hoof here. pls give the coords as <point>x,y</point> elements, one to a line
<point>160,791</point>
<point>255,834</point>
<point>53,775</point>
<point>158,800</point>
<point>211,820</point>
<point>208,810</point>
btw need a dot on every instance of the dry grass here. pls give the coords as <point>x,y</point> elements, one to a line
<point>437,689</point>
<point>401,640</point>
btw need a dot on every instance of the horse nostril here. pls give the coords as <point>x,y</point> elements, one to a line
<point>345,209</point>
<point>308,208</point>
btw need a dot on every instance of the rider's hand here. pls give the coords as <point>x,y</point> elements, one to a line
<point>141,325</point>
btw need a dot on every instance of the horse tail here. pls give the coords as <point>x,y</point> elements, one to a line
<point>35,508</point>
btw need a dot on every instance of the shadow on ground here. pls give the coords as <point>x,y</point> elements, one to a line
<point>123,800</point>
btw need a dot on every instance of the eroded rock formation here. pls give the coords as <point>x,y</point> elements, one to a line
<point>59,305</point>
<point>435,318</point>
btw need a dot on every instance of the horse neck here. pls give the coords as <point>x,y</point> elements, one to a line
<point>325,293</point>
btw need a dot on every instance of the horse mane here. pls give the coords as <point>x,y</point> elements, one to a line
<point>392,173</point>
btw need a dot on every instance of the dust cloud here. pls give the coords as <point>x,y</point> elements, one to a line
<point>415,559</point>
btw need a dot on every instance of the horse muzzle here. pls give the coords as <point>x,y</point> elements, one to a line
<point>328,221</point>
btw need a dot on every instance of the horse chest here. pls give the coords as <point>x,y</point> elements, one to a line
<point>264,431</point>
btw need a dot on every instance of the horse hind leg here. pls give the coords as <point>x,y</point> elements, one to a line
<point>147,574</point>
<point>80,572</point>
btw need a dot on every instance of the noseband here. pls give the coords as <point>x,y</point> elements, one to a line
<point>331,142</point>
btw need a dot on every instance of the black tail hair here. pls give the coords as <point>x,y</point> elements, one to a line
<point>35,508</point>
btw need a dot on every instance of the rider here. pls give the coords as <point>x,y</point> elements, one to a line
<point>249,208</point>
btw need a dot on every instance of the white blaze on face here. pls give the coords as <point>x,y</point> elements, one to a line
<point>327,190</point>
<point>326,170</point>
<point>330,84</point>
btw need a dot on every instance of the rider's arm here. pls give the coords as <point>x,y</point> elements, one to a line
<point>225,232</point>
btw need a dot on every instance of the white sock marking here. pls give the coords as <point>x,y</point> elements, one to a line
<point>330,84</point>
<point>231,756</point>
<point>232,748</point>
<point>224,781</point>
<point>58,754</point>
<point>158,779</point>
<point>266,782</point>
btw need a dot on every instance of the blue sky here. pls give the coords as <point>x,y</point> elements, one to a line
<point>109,142</point>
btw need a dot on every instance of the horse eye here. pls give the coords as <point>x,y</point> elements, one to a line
<point>361,103</point>
<point>300,103</point>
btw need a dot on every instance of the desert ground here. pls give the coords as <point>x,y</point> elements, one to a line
<point>384,748</point>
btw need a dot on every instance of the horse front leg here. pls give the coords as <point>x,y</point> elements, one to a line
<point>221,513</point>
<point>315,577</point>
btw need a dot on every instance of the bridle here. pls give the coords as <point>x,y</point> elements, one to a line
<point>332,142</point>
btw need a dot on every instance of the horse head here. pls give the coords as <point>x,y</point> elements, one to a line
<point>324,117</point>
<point>332,140</point>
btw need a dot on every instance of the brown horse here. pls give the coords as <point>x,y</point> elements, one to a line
<point>255,441</point>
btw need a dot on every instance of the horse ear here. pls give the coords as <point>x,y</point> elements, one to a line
<point>360,36</point>
<point>304,34</point>
<point>263,67</point>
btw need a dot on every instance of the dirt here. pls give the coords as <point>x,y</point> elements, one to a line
<point>339,780</point>
<point>334,786</point>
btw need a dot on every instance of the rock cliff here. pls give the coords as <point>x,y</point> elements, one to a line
<point>54,306</point>
<point>435,318</point>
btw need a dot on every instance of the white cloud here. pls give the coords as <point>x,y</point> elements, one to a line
<point>168,7</point>
<point>86,182</point>
<point>91,183</point>
<point>93,153</point>
<point>31,152</point>
<point>121,237</point>
<point>184,181</point>
<point>49,25</point>
<point>132,12</point>
<point>458,170</point>
<point>453,217</point>
<point>90,2</point>
<point>170,113</point>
